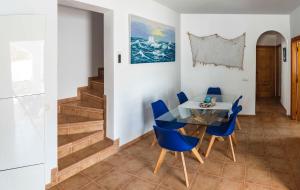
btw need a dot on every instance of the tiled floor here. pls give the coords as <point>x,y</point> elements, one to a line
<point>268,158</point>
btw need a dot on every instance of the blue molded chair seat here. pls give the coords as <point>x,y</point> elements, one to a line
<point>159,108</point>
<point>226,130</point>
<point>172,140</point>
<point>170,125</point>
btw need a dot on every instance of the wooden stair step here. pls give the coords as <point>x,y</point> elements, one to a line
<point>84,158</point>
<point>68,144</point>
<point>93,98</point>
<point>96,84</point>
<point>101,73</point>
<point>68,119</point>
<point>70,124</point>
<point>82,108</point>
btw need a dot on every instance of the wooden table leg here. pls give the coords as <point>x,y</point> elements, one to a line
<point>201,136</point>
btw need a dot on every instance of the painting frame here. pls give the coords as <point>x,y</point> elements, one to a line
<point>157,38</point>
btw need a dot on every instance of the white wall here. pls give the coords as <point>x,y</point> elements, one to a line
<point>80,49</point>
<point>232,81</point>
<point>295,22</point>
<point>49,9</point>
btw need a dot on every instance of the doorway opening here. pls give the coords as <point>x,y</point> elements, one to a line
<point>270,54</point>
<point>295,86</point>
<point>85,131</point>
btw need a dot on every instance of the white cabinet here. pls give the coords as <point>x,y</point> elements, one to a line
<point>22,102</point>
<point>27,178</point>
<point>21,55</point>
<point>22,131</point>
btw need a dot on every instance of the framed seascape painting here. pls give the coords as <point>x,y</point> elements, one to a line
<point>151,42</point>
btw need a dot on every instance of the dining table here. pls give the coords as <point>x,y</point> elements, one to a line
<point>193,113</point>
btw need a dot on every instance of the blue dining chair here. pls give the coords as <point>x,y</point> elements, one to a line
<point>215,91</point>
<point>172,140</point>
<point>182,97</point>
<point>234,107</point>
<point>159,108</point>
<point>225,130</point>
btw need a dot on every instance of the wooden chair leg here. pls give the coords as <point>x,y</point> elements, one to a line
<point>160,160</point>
<point>185,171</point>
<point>238,124</point>
<point>212,140</point>
<point>234,138</point>
<point>232,150</point>
<point>201,139</point>
<point>182,131</point>
<point>153,142</point>
<point>175,154</point>
<point>197,155</point>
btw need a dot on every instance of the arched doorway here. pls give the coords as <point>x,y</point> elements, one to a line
<point>270,54</point>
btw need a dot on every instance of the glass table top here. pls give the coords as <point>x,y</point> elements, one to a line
<point>191,112</point>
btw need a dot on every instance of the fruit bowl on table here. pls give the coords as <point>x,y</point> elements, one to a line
<point>206,105</point>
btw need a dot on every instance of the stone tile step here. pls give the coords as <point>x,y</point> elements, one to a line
<point>96,84</point>
<point>68,144</point>
<point>70,124</point>
<point>83,109</point>
<point>82,159</point>
<point>92,97</point>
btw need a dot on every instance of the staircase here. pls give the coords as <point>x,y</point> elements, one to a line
<point>81,131</point>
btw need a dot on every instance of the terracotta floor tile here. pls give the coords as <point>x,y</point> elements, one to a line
<point>212,167</point>
<point>176,180</point>
<point>253,186</point>
<point>192,164</point>
<point>114,180</point>
<point>283,181</point>
<point>253,161</point>
<point>132,166</point>
<point>275,151</point>
<point>234,172</point>
<point>205,182</point>
<point>74,183</point>
<point>226,184</point>
<point>240,158</point>
<point>147,173</point>
<point>98,170</point>
<point>279,165</point>
<point>258,175</point>
<point>138,184</point>
<point>93,186</point>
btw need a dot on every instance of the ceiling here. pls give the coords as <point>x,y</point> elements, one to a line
<point>232,6</point>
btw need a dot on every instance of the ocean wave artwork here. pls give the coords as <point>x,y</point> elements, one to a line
<point>151,42</point>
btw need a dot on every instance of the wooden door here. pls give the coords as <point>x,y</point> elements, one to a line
<point>265,71</point>
<point>295,90</point>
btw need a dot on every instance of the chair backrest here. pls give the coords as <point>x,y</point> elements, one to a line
<point>158,108</point>
<point>182,97</point>
<point>236,103</point>
<point>214,91</point>
<point>232,121</point>
<point>171,139</point>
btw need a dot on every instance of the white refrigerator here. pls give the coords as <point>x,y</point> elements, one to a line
<point>22,118</point>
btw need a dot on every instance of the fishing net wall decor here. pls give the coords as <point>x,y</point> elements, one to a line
<point>218,51</point>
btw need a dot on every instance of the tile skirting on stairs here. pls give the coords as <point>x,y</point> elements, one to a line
<point>81,131</point>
